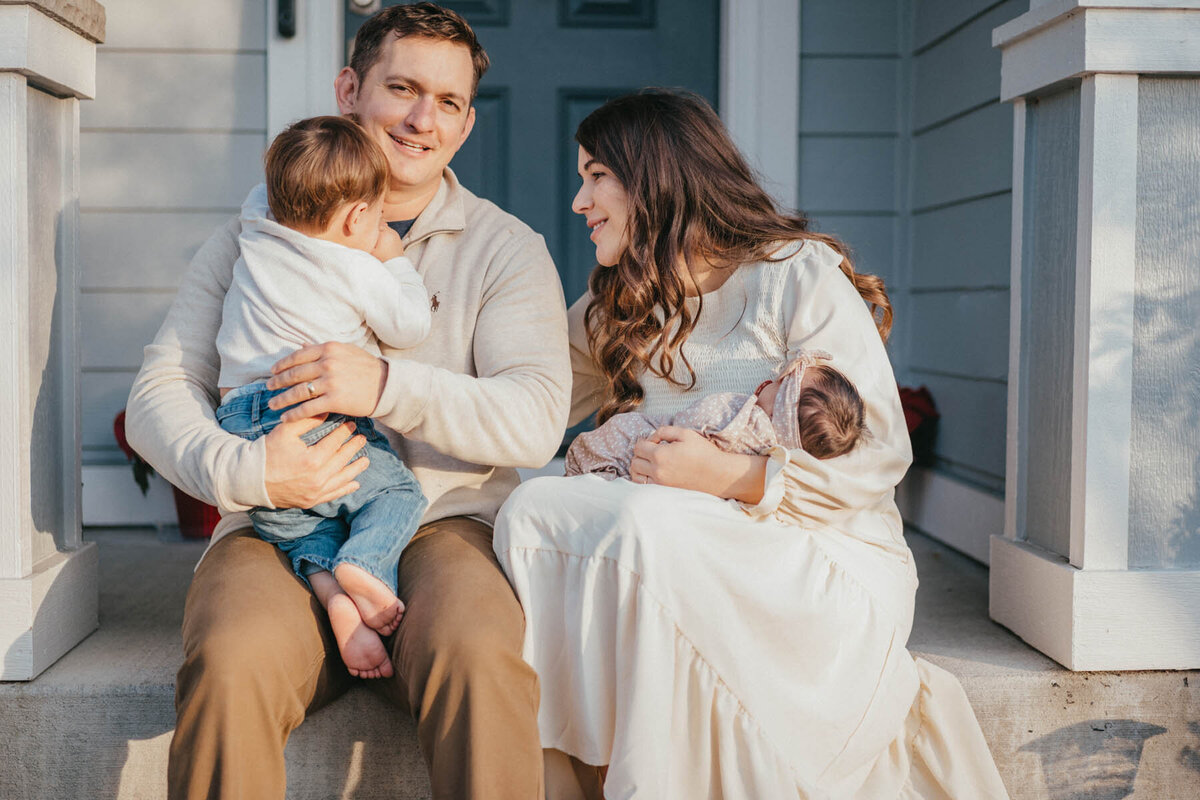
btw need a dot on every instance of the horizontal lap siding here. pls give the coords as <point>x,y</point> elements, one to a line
<point>170,147</point>
<point>849,107</point>
<point>960,185</point>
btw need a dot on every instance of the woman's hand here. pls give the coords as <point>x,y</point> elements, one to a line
<point>299,476</point>
<point>330,378</point>
<point>684,459</point>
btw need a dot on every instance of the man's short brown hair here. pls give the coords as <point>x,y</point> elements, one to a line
<point>831,413</point>
<point>426,20</point>
<point>318,165</point>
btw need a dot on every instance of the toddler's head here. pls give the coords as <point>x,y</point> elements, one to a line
<point>815,407</point>
<point>326,178</point>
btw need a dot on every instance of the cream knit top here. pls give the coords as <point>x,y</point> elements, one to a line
<point>764,314</point>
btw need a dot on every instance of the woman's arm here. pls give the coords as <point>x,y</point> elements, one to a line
<point>170,419</point>
<point>682,458</point>
<point>820,310</point>
<point>587,382</point>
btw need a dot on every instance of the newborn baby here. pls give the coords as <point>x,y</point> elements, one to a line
<point>810,406</point>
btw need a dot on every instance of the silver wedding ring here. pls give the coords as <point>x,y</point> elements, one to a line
<point>312,390</point>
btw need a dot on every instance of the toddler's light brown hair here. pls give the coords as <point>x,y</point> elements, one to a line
<point>831,413</point>
<point>317,165</point>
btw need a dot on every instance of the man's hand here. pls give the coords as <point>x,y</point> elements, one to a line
<point>684,459</point>
<point>299,476</point>
<point>389,246</point>
<point>328,378</point>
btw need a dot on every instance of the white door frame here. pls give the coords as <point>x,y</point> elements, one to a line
<point>759,81</point>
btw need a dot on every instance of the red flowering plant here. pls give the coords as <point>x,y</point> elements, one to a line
<point>141,470</point>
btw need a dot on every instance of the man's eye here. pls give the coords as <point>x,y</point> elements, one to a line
<point>450,105</point>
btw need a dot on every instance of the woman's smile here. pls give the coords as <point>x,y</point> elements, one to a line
<point>603,203</point>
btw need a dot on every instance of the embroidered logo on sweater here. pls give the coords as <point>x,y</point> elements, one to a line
<point>434,305</point>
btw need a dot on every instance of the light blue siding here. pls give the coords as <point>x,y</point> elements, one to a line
<point>943,87</point>
<point>906,153</point>
<point>960,195</point>
<point>848,95</point>
<point>847,174</point>
<point>966,158</point>
<point>965,245</point>
<point>1165,477</point>
<point>934,19</point>
<point>857,27</point>
<point>982,319</point>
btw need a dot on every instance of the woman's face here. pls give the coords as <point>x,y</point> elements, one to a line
<point>603,202</point>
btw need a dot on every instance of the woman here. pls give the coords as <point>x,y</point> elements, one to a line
<point>746,639</point>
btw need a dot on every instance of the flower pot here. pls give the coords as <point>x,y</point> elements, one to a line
<point>196,518</point>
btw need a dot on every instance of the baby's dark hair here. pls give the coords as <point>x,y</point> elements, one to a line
<point>319,164</point>
<point>831,413</point>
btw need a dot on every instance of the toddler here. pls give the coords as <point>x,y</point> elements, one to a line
<point>319,264</point>
<point>810,406</point>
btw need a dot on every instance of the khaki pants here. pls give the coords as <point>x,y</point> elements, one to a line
<point>259,655</point>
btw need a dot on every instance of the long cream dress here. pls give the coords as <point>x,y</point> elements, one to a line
<point>703,649</point>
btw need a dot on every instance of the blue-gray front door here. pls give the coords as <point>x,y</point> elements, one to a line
<point>553,61</point>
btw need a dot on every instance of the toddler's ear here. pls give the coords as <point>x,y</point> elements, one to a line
<point>355,218</point>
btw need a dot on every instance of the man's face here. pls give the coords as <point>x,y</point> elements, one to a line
<point>415,102</point>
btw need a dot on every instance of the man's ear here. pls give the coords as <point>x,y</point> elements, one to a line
<point>345,89</point>
<point>354,218</point>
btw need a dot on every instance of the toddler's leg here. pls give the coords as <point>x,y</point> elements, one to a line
<point>380,528</point>
<point>362,650</point>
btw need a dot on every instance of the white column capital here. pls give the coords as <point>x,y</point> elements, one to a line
<point>1059,40</point>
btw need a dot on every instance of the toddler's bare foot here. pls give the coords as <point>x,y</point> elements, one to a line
<point>362,650</point>
<point>378,607</point>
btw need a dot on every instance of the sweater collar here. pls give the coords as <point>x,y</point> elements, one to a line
<point>444,214</point>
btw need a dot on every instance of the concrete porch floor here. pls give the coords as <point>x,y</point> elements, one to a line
<point>97,724</point>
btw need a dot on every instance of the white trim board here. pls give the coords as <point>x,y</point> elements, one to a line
<point>110,497</point>
<point>1102,392</point>
<point>1096,619</point>
<point>1079,41</point>
<point>955,513</point>
<point>760,89</point>
<point>300,70</point>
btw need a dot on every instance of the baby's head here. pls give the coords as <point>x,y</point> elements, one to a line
<point>815,407</point>
<point>830,413</point>
<point>326,178</point>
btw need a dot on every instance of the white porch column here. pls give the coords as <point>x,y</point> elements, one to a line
<point>48,589</point>
<point>1099,565</point>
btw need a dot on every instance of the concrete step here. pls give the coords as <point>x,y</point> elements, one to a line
<point>98,723</point>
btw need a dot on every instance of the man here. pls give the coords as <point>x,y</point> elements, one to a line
<point>487,391</point>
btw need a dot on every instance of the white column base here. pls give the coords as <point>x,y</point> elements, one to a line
<point>45,614</point>
<point>1096,619</point>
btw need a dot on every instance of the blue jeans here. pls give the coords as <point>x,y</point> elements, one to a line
<point>368,528</point>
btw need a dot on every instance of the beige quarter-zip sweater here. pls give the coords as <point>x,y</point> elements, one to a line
<point>487,391</point>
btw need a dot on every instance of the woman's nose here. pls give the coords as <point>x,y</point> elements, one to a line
<point>582,201</point>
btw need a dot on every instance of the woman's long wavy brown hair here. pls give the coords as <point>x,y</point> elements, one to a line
<point>690,196</point>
